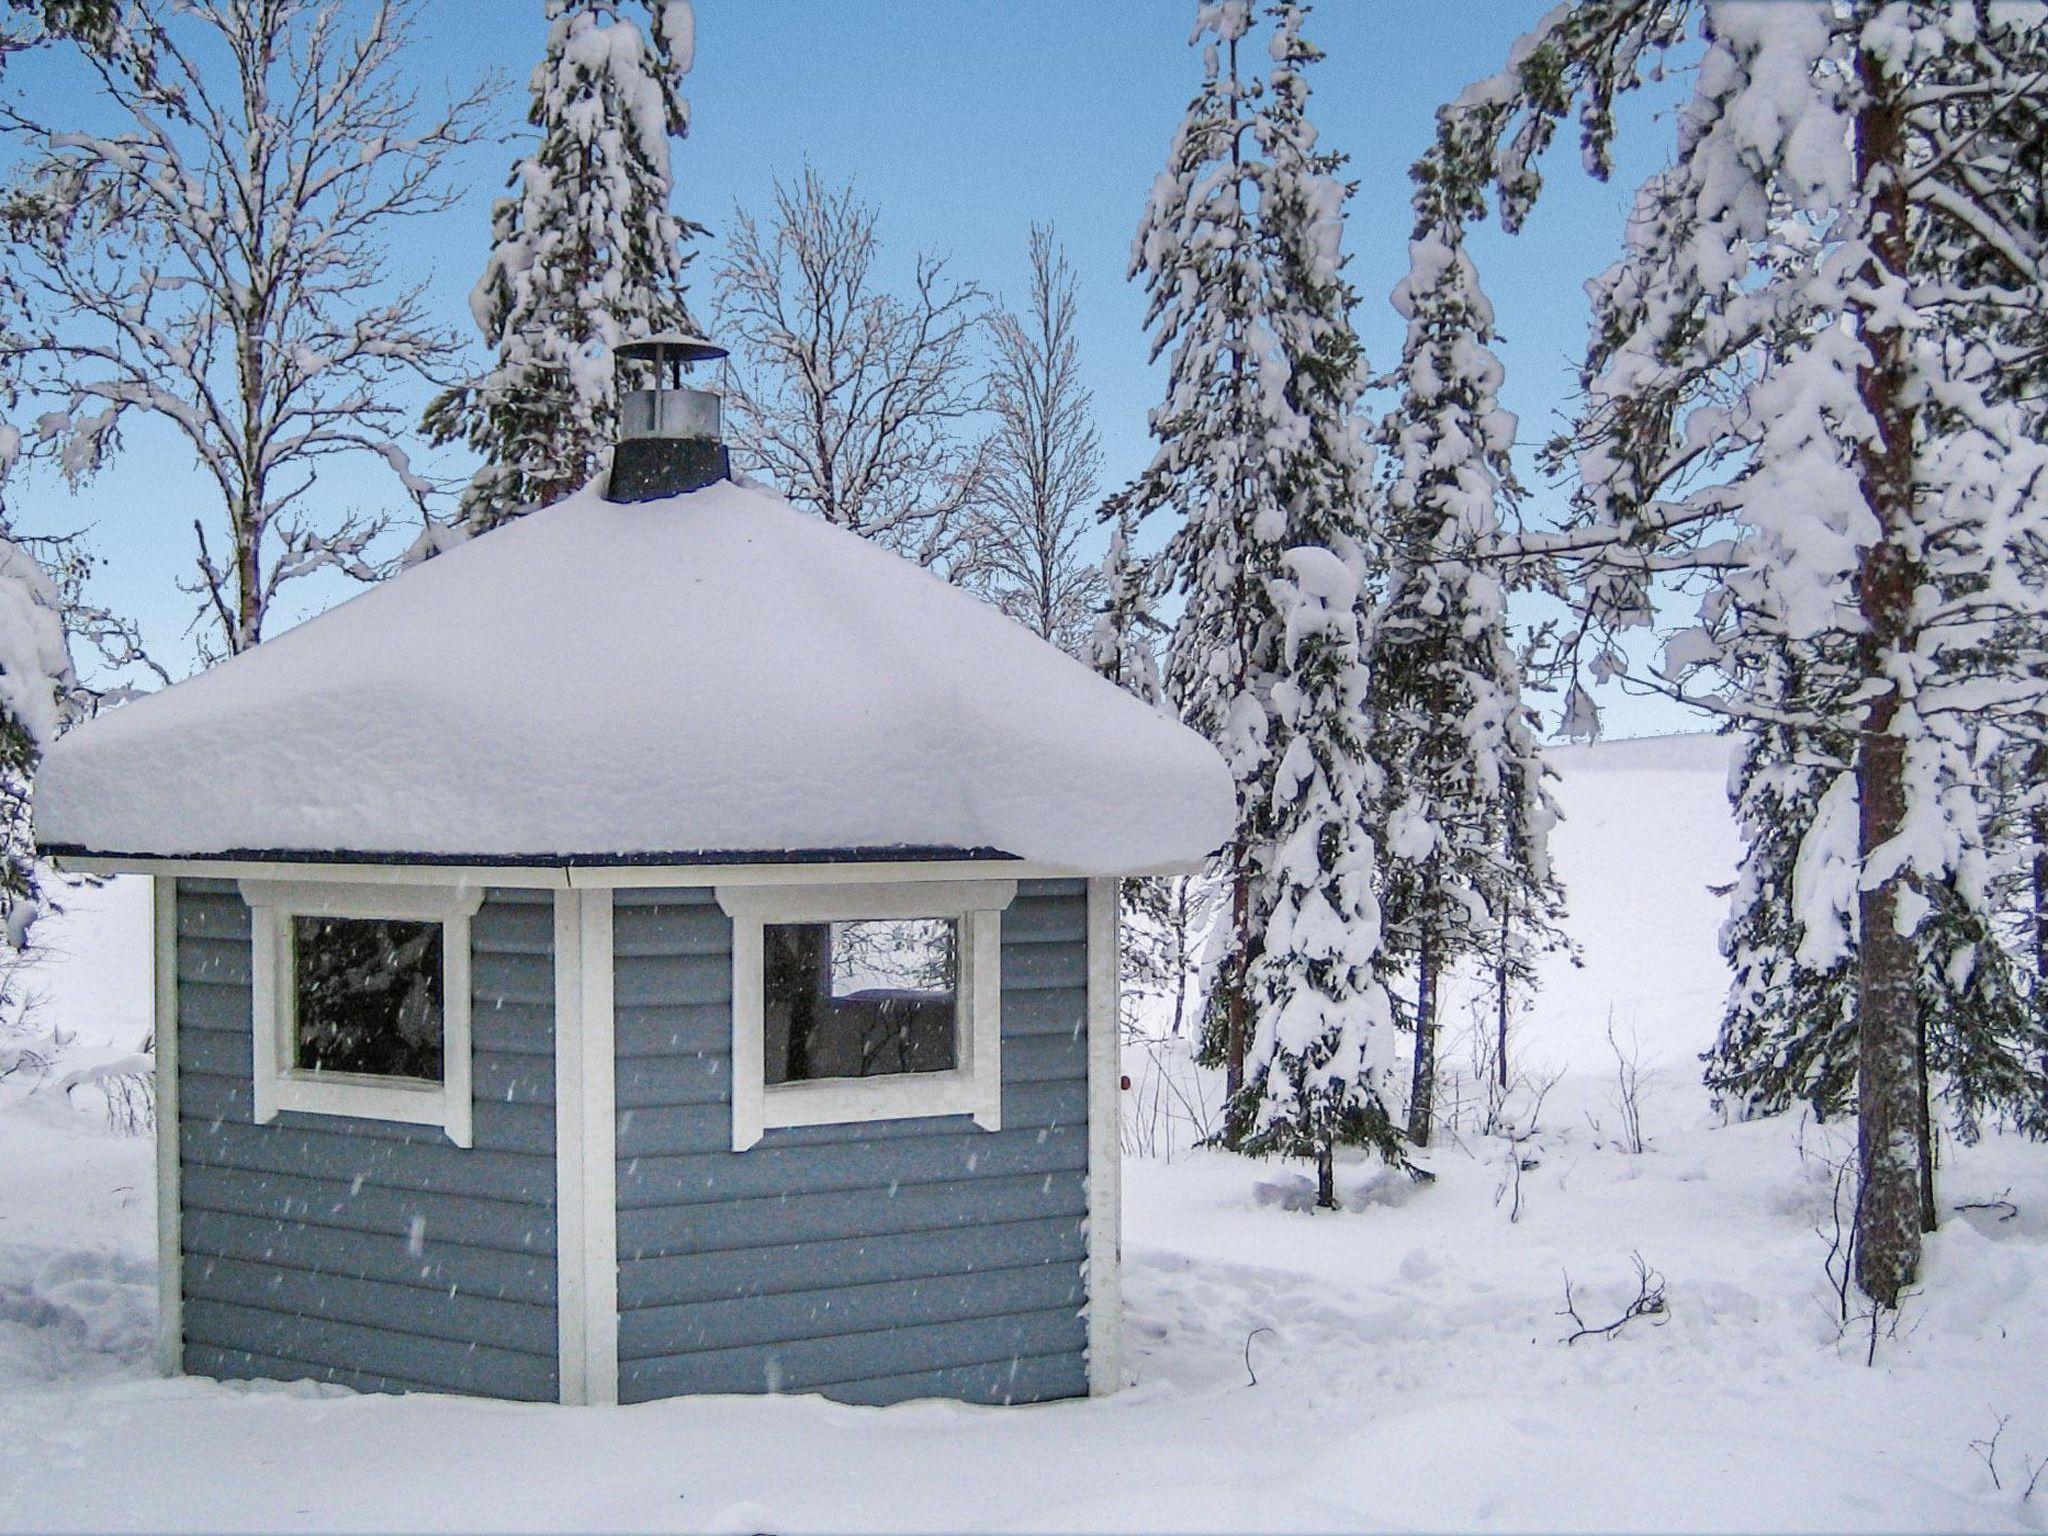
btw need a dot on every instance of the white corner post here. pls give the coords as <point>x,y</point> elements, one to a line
<point>586,1173</point>
<point>1105,1147</point>
<point>170,1263</point>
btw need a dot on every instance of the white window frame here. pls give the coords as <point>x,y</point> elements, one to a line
<point>279,1085</point>
<point>975,1084</point>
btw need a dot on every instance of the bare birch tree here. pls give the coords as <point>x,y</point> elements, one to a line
<point>1045,465</point>
<point>860,404</point>
<point>218,261</point>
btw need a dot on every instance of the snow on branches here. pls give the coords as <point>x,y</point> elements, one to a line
<point>1261,452</point>
<point>1808,406</point>
<point>1319,1062</point>
<point>1465,803</point>
<point>38,695</point>
<point>217,261</point>
<point>587,252</point>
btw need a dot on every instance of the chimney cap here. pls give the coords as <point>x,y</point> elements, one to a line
<point>679,346</point>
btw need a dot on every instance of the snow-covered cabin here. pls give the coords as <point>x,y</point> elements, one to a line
<point>660,946</point>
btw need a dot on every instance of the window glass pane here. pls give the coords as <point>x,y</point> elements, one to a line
<point>860,999</point>
<point>368,996</point>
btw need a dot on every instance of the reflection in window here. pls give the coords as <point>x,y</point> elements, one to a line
<point>368,996</point>
<point>859,999</point>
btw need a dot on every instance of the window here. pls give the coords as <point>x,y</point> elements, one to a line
<point>865,1002</point>
<point>859,999</point>
<point>367,997</point>
<point>361,1001</point>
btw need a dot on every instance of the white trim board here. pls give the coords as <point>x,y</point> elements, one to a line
<point>1105,1145</point>
<point>170,1236</point>
<point>521,876</point>
<point>571,1294</point>
<point>592,876</point>
<point>599,1114</point>
<point>586,1176</point>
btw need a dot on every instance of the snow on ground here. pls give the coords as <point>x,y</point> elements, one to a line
<point>1396,1365</point>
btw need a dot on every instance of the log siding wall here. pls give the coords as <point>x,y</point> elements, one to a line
<point>873,1262</point>
<point>361,1252</point>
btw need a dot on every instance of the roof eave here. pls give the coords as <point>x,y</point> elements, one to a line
<point>563,871</point>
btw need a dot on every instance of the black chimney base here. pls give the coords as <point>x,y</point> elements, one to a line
<point>650,468</point>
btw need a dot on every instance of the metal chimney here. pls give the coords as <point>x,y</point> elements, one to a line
<point>669,439</point>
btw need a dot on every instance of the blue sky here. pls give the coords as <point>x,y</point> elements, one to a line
<point>964,122</point>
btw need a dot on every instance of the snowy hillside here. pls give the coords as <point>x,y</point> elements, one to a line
<point>1398,1364</point>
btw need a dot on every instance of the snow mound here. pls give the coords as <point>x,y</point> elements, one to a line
<point>714,674</point>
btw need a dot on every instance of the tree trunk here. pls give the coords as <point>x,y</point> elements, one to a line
<point>1182,919</point>
<point>1500,1004</point>
<point>1240,965</point>
<point>1422,1092</point>
<point>1924,1129</point>
<point>1888,1203</point>
<point>1326,1178</point>
<point>2037,775</point>
<point>2037,822</point>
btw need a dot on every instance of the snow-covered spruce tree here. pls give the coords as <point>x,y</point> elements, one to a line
<point>1465,813</point>
<point>1123,645</point>
<point>1797,407</point>
<point>1197,252</point>
<point>1788,1034</point>
<point>1045,463</point>
<point>1316,1066</point>
<point>1788,1028</point>
<point>1319,1065</point>
<point>586,252</point>
<point>218,261</point>
<point>38,694</point>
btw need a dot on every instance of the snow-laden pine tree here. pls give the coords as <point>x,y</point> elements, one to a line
<point>1262,453</point>
<point>1123,645</point>
<point>586,252</point>
<point>1319,1067</point>
<point>1198,254</point>
<point>1464,814</point>
<point>1788,1028</point>
<point>38,692</point>
<point>1800,408</point>
<point>1788,1034</point>
<point>1317,1064</point>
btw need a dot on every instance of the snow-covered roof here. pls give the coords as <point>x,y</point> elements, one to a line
<point>710,675</point>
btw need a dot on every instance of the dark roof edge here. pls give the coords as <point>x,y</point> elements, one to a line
<point>901,853</point>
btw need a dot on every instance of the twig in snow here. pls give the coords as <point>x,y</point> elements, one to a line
<point>1884,1323</point>
<point>1840,1261</point>
<point>1628,1089</point>
<point>1649,1302</point>
<point>1248,1355</point>
<point>2007,1211</point>
<point>1987,1450</point>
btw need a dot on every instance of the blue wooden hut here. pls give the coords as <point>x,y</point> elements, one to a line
<point>666,945</point>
